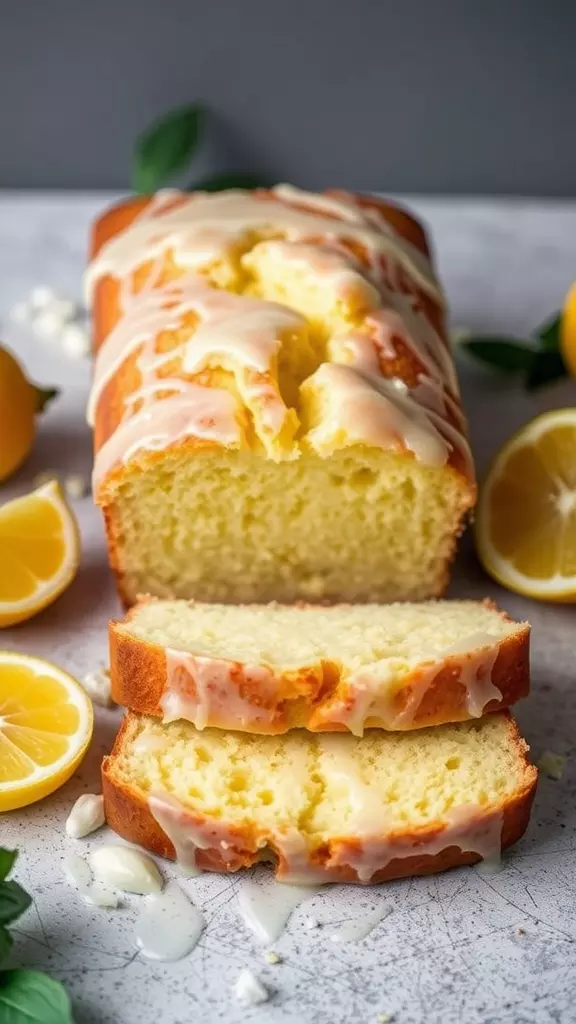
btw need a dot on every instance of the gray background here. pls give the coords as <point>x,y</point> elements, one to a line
<point>445,96</point>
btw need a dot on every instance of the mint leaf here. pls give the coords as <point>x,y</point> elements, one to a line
<point>166,148</point>
<point>219,182</point>
<point>549,334</point>
<point>5,943</point>
<point>30,997</point>
<point>7,860</point>
<point>501,353</point>
<point>13,901</point>
<point>546,368</point>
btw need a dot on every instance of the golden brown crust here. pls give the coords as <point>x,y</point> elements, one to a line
<point>303,698</point>
<point>127,812</point>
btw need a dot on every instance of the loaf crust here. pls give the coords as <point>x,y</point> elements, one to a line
<point>128,814</point>
<point>307,698</point>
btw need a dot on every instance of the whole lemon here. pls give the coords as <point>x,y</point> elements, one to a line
<point>20,401</point>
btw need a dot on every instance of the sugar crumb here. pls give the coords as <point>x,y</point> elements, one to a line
<point>249,990</point>
<point>271,957</point>
<point>311,922</point>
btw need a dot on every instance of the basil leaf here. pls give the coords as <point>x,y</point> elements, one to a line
<point>30,997</point>
<point>549,334</point>
<point>7,859</point>
<point>166,148</point>
<point>219,182</point>
<point>546,368</point>
<point>501,353</point>
<point>13,901</point>
<point>5,942</point>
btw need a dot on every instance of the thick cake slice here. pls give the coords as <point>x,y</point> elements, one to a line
<point>270,668</point>
<point>321,808</point>
<point>275,405</point>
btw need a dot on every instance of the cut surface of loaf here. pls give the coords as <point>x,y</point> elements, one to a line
<point>270,668</point>
<point>275,405</point>
<point>322,808</point>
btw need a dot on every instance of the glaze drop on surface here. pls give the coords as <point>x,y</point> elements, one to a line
<point>169,926</point>
<point>358,928</point>
<point>122,867</point>
<point>266,908</point>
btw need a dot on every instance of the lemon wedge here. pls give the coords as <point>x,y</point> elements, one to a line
<point>526,516</point>
<point>46,723</point>
<point>39,552</point>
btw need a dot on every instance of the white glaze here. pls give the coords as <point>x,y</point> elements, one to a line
<point>242,335</point>
<point>169,926</point>
<point>205,413</point>
<point>203,690</point>
<point>122,867</point>
<point>363,409</point>
<point>372,698</point>
<point>266,908</point>
<point>79,874</point>
<point>202,228</point>
<point>186,836</point>
<point>359,928</point>
<point>249,989</point>
<point>86,816</point>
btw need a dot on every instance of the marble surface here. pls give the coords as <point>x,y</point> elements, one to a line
<point>457,947</point>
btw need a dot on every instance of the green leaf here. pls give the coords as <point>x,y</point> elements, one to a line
<point>501,353</point>
<point>166,148</point>
<point>5,942</point>
<point>549,334</point>
<point>546,368</point>
<point>7,859</point>
<point>13,901</point>
<point>30,997</point>
<point>219,182</point>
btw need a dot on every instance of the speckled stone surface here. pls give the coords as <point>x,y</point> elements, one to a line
<point>497,949</point>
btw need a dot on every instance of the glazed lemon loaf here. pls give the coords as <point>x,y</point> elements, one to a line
<point>270,668</point>
<point>275,405</point>
<point>321,808</point>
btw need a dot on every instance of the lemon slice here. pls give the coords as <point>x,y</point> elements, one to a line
<point>526,516</point>
<point>39,552</point>
<point>46,722</point>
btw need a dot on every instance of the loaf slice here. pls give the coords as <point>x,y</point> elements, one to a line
<point>321,808</point>
<point>275,405</point>
<point>270,668</point>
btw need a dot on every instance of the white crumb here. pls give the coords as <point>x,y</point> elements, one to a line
<point>86,816</point>
<point>97,686</point>
<point>75,341</point>
<point>552,764</point>
<point>249,990</point>
<point>49,323</point>
<point>40,297</point>
<point>21,313</point>
<point>76,486</point>
<point>311,922</point>
<point>383,1018</point>
<point>271,957</point>
<point>44,477</point>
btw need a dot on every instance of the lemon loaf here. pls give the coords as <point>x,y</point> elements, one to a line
<point>275,405</point>
<point>322,808</point>
<point>269,668</point>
